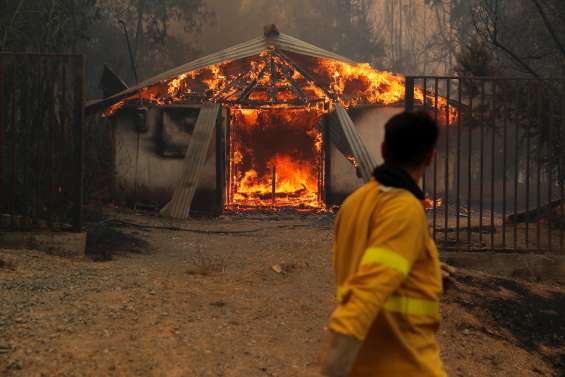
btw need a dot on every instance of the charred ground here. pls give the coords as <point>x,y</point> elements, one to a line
<point>236,297</point>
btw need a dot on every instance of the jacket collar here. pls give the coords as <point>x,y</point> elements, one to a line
<point>397,178</point>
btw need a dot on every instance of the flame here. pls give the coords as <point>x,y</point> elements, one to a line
<point>258,79</point>
<point>285,175</point>
<point>353,161</point>
<point>276,148</point>
<point>360,83</point>
<point>356,84</point>
<point>430,203</point>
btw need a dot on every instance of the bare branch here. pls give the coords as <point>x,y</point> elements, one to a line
<point>9,27</point>
<point>549,27</point>
<point>491,37</point>
<point>516,58</point>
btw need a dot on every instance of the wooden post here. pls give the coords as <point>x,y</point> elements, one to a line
<point>179,207</point>
<point>274,184</point>
<point>327,147</point>
<point>221,162</point>
<point>229,157</point>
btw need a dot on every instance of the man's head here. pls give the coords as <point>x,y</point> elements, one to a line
<point>410,140</point>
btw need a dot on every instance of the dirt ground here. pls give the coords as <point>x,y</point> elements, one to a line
<point>251,298</point>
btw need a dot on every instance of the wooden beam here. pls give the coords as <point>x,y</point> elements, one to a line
<point>221,161</point>
<point>245,94</point>
<point>293,83</point>
<point>231,85</point>
<point>179,207</point>
<point>307,76</point>
<point>273,88</point>
<point>251,104</point>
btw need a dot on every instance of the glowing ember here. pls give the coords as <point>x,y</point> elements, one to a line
<point>276,159</point>
<point>430,204</point>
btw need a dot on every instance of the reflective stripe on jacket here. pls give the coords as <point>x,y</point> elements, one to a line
<point>388,283</point>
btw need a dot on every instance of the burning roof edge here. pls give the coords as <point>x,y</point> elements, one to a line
<point>240,51</point>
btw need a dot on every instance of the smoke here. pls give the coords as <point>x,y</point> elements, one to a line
<point>401,37</point>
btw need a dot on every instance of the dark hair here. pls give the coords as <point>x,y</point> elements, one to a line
<point>409,137</point>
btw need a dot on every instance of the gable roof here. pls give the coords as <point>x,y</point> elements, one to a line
<point>271,39</point>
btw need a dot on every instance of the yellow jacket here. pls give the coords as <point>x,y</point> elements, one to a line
<point>389,282</point>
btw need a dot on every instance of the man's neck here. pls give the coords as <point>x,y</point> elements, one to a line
<point>416,173</point>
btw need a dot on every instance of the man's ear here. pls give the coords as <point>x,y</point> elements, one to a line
<point>430,157</point>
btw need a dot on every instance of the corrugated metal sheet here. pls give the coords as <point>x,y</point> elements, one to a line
<point>350,140</point>
<point>291,44</point>
<point>179,207</point>
<point>240,51</point>
<point>338,139</point>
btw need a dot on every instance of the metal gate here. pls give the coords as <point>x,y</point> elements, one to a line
<point>496,182</point>
<point>41,142</point>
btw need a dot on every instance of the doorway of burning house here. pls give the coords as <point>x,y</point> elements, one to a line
<point>315,197</point>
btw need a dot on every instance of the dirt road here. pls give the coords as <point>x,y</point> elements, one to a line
<point>249,299</point>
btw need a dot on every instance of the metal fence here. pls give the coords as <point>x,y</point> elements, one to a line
<point>497,181</point>
<point>41,141</point>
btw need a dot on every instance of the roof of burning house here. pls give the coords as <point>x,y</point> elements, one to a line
<point>271,39</point>
<point>270,71</point>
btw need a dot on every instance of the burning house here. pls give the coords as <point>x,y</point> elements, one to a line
<point>271,123</point>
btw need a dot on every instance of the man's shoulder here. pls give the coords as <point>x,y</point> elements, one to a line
<point>403,207</point>
<point>376,200</point>
<point>360,195</point>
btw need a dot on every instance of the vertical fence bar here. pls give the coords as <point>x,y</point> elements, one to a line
<point>529,104</point>
<point>446,178</point>
<point>25,130</point>
<point>492,165</point>
<point>13,141</point>
<point>482,165</point>
<point>63,107</point>
<point>561,163</point>
<point>561,166</point>
<point>515,119</point>
<point>78,128</point>
<point>436,95</point>
<point>1,134</point>
<point>51,148</point>
<point>458,163</point>
<point>470,164</point>
<point>539,122</point>
<point>549,168</point>
<point>409,94</point>
<point>424,178</point>
<point>507,98</point>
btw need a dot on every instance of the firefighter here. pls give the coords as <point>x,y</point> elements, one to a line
<point>387,268</point>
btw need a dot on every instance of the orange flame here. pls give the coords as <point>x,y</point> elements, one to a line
<point>430,203</point>
<point>279,176</point>
<point>351,84</point>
